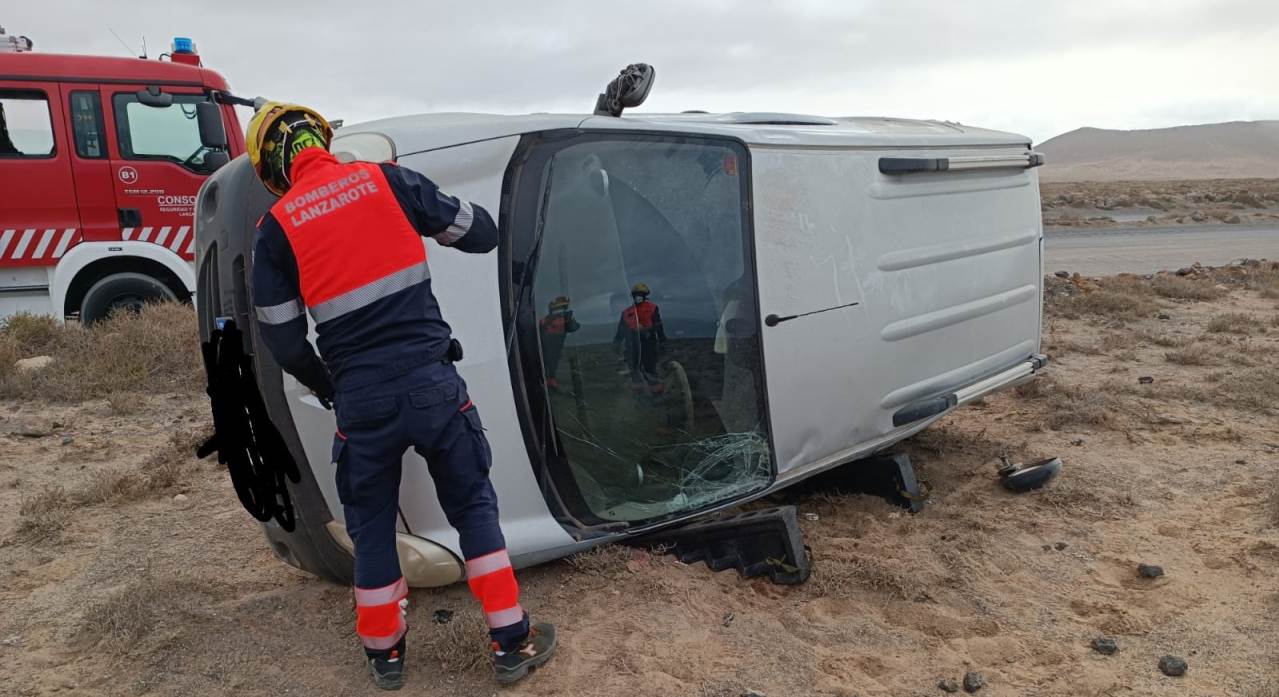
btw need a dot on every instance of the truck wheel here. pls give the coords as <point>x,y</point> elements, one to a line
<point>121,291</point>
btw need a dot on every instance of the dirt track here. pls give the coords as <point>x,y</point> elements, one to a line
<point>136,593</point>
<point>1151,249</point>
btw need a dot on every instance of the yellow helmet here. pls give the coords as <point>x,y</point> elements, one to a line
<point>267,140</point>
<point>640,289</point>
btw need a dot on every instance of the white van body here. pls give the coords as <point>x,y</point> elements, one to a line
<point>833,287</point>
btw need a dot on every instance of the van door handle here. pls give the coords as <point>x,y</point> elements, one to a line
<point>130,217</point>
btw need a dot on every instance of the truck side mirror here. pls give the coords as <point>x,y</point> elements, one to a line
<point>208,117</point>
<point>153,96</point>
<point>216,159</point>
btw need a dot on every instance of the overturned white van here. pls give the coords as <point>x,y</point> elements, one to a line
<point>828,287</point>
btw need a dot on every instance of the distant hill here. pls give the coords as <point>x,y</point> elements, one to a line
<point>1235,150</point>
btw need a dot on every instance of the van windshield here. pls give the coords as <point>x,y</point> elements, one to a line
<point>646,326</point>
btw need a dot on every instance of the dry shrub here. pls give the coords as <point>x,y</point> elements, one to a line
<point>851,576</point>
<point>126,616</point>
<point>10,353</point>
<point>606,560</point>
<point>1194,354</point>
<point>1071,406</point>
<point>1270,689</point>
<point>460,646</point>
<point>43,515</point>
<point>1179,288</point>
<point>1108,303</point>
<point>35,335</point>
<point>124,403</point>
<point>156,350</point>
<point>1162,340</point>
<point>1232,323</point>
<point>1117,341</point>
<point>1256,389</point>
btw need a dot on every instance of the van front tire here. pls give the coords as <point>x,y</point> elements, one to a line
<point>122,291</point>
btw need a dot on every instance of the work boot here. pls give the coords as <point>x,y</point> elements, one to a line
<point>535,650</point>
<point>387,667</point>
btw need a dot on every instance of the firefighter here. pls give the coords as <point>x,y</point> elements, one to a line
<point>555,328</point>
<point>344,242</point>
<point>640,329</point>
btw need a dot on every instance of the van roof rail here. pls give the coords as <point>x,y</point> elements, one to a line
<point>769,118</point>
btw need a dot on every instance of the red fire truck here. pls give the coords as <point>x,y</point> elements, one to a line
<point>100,162</point>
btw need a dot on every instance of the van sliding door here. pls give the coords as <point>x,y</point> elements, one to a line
<point>638,407</point>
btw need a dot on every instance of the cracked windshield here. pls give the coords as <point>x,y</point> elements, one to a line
<point>648,328</point>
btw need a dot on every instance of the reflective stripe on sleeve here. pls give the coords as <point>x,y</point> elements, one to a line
<point>367,294</point>
<point>487,564</point>
<point>279,314</point>
<point>461,225</point>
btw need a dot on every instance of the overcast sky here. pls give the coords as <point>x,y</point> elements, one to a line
<point>1035,67</point>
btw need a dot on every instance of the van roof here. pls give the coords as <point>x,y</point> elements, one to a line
<point>59,67</point>
<point>430,131</point>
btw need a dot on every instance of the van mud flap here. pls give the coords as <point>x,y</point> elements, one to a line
<point>766,542</point>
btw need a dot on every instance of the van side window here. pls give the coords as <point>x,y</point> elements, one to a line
<point>26,128</point>
<point>160,133</point>
<point>86,124</point>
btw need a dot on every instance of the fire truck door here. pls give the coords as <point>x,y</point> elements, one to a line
<point>38,205</point>
<point>159,165</point>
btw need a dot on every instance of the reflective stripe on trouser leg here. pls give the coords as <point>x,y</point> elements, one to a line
<point>379,614</point>
<point>492,581</point>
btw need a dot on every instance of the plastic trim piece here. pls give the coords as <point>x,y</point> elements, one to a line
<point>914,165</point>
<point>759,543</point>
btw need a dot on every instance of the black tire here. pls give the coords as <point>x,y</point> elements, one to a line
<point>122,291</point>
<point>1032,476</point>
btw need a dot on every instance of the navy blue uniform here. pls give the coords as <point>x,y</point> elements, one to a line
<point>344,244</point>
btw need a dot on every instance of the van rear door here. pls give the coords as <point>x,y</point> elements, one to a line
<point>159,165</point>
<point>944,268</point>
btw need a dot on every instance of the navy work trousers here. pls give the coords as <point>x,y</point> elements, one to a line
<point>429,410</point>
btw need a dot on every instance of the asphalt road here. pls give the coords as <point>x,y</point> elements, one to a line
<point>1151,249</point>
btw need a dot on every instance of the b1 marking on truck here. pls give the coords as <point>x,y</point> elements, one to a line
<point>128,175</point>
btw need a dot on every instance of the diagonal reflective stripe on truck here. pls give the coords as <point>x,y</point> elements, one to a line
<point>21,249</point>
<point>164,235</point>
<point>43,245</point>
<point>5,239</point>
<point>179,238</point>
<point>67,236</point>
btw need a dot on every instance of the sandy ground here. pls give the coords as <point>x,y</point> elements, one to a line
<point>136,592</point>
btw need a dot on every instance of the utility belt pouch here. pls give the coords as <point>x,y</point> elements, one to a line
<point>455,351</point>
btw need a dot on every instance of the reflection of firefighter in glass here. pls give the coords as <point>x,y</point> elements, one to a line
<point>555,328</point>
<point>640,327</point>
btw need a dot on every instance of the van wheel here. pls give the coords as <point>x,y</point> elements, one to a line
<point>122,291</point>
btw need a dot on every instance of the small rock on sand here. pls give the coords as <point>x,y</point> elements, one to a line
<point>1150,570</point>
<point>1173,666</point>
<point>67,440</point>
<point>949,685</point>
<point>27,365</point>
<point>180,497</point>
<point>1062,274</point>
<point>1105,646</point>
<point>1061,545</point>
<point>973,682</point>
<point>1145,380</point>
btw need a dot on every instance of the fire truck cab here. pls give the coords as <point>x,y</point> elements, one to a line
<point>100,162</point>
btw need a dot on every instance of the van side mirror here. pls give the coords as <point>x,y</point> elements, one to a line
<point>208,117</point>
<point>153,96</point>
<point>629,89</point>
